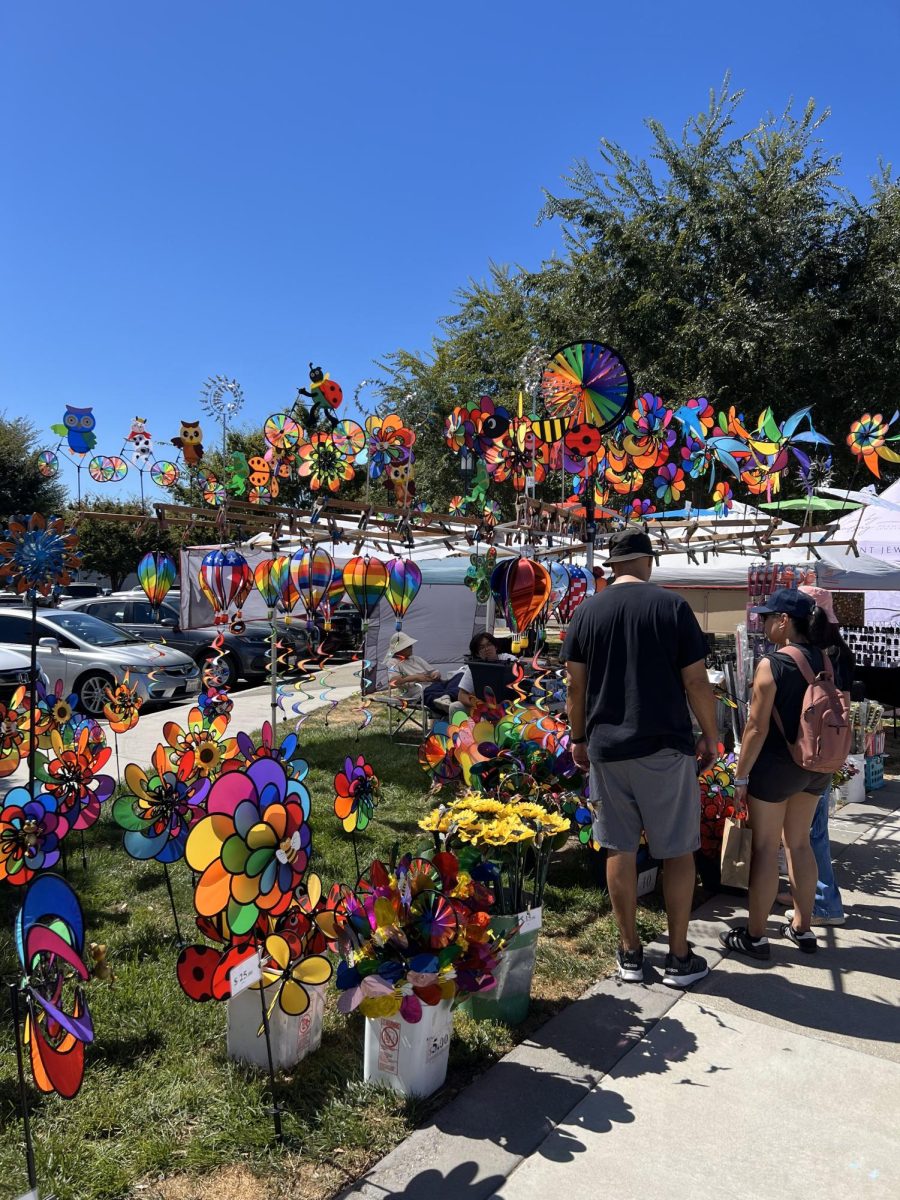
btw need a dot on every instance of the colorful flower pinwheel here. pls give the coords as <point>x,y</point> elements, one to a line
<point>388,441</point>
<point>356,790</point>
<point>722,498</point>
<point>55,712</point>
<point>36,555</point>
<point>650,433</point>
<point>205,739</point>
<point>868,440</point>
<point>669,484</point>
<point>253,848</point>
<point>31,829</point>
<point>324,463</point>
<point>291,974</point>
<point>15,732</point>
<point>123,706</point>
<point>72,776</point>
<point>162,806</point>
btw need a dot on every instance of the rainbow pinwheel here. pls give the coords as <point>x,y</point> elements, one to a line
<point>868,440</point>
<point>160,807</point>
<point>716,800</point>
<point>36,555</point>
<point>388,442</point>
<point>587,383</point>
<point>204,738</point>
<point>356,790</point>
<point>123,706</point>
<point>72,776</point>
<point>722,498</point>
<point>325,462</point>
<point>365,581</point>
<point>31,829</point>
<point>49,934</point>
<point>414,936</point>
<point>253,848</point>
<point>404,581</point>
<point>15,732</point>
<point>669,484</point>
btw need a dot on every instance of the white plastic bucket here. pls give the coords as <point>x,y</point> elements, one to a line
<point>855,789</point>
<point>412,1059</point>
<point>292,1037</point>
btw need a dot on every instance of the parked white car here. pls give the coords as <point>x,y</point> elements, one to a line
<point>88,655</point>
<point>15,672</point>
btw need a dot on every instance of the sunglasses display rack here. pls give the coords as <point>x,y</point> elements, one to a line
<point>874,645</point>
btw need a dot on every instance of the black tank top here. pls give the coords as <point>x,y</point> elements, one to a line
<point>790,688</point>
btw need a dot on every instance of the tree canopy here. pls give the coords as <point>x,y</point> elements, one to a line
<point>114,548</point>
<point>730,264</point>
<point>23,489</point>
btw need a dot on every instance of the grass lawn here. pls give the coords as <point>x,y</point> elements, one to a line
<point>164,1114</point>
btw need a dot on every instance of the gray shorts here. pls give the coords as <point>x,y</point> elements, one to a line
<point>658,793</point>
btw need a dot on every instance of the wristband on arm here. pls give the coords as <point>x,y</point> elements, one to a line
<point>577,741</point>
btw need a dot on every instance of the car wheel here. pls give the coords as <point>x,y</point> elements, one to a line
<point>91,691</point>
<point>219,668</point>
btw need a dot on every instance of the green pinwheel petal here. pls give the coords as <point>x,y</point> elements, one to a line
<point>125,817</point>
<point>258,861</point>
<point>234,855</point>
<point>241,917</point>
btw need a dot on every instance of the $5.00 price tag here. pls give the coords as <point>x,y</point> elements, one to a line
<point>244,974</point>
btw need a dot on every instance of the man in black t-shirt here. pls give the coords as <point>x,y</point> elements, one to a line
<point>635,657</point>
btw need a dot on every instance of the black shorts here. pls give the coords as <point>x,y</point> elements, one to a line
<point>774,779</point>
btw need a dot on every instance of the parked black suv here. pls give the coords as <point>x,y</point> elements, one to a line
<point>246,655</point>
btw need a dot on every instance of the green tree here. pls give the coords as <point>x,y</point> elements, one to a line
<point>114,548</point>
<point>729,264</point>
<point>23,489</point>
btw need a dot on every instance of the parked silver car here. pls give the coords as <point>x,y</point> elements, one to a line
<point>88,654</point>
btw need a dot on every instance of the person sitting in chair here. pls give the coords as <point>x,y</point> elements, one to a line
<point>406,668</point>
<point>483,648</point>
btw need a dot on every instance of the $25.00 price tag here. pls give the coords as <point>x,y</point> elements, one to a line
<point>245,973</point>
<point>530,920</point>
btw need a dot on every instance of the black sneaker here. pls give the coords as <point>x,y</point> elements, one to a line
<point>806,941</point>
<point>682,972</point>
<point>739,940</point>
<point>630,965</point>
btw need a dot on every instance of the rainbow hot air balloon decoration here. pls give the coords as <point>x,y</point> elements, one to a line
<point>311,574</point>
<point>156,574</point>
<point>404,581</point>
<point>521,589</point>
<point>365,582</point>
<point>332,597</point>
<point>268,582</point>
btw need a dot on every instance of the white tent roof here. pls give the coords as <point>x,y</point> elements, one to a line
<point>876,527</point>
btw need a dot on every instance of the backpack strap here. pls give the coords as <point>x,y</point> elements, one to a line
<point>798,657</point>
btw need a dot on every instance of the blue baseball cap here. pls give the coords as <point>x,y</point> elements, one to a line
<point>786,600</point>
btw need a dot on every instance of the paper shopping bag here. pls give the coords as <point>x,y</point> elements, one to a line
<point>736,843</point>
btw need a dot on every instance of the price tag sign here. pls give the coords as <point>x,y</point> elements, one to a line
<point>244,974</point>
<point>532,919</point>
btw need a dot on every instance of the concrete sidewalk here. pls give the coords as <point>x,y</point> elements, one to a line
<point>766,1080</point>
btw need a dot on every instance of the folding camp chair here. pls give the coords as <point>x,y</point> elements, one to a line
<point>406,713</point>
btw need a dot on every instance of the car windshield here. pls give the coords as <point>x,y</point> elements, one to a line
<point>88,629</point>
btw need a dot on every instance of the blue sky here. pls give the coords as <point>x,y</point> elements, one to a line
<point>237,188</point>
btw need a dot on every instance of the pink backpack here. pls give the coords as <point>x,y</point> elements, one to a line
<point>824,736</point>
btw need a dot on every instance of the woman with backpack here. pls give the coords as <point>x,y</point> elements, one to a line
<point>797,734</point>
